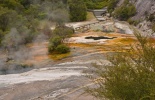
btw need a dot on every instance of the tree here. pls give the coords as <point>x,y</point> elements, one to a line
<point>33,12</point>
<point>6,18</point>
<point>25,3</point>
<point>130,76</point>
<point>12,4</point>
<point>25,15</point>
<point>53,43</point>
<point>78,10</point>
<point>111,5</point>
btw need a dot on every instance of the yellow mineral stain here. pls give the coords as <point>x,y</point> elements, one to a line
<point>56,56</point>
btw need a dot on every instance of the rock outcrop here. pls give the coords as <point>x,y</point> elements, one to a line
<point>144,9</point>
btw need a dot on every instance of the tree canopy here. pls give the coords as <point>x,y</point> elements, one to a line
<point>78,10</point>
<point>25,15</point>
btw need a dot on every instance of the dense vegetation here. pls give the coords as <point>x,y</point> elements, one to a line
<point>78,10</point>
<point>20,15</point>
<point>111,5</point>
<point>20,20</point>
<point>125,11</point>
<point>96,4</point>
<point>131,74</point>
<point>99,4</point>
<point>56,41</point>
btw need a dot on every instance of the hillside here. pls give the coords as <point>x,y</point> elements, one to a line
<point>144,18</point>
<point>140,13</point>
<point>51,49</point>
<point>143,7</point>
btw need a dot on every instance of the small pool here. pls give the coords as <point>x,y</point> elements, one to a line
<point>99,37</point>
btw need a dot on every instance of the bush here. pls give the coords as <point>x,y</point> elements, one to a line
<point>78,10</point>
<point>63,31</point>
<point>111,5</point>
<point>125,12</point>
<point>97,4</point>
<point>56,42</point>
<point>130,76</point>
<point>50,48</point>
<point>53,43</point>
<point>62,49</point>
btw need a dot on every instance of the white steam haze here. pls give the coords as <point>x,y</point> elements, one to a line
<point>12,39</point>
<point>15,52</point>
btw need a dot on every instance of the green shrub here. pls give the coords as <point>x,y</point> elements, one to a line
<point>125,12</point>
<point>78,10</point>
<point>63,31</point>
<point>97,4</point>
<point>53,43</point>
<point>130,76</point>
<point>111,5</point>
<point>56,41</point>
<point>50,47</point>
<point>62,49</point>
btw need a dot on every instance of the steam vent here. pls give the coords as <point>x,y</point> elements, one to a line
<point>77,49</point>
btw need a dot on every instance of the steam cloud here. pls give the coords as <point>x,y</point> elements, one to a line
<point>15,53</point>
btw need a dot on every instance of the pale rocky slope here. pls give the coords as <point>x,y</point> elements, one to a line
<point>144,9</point>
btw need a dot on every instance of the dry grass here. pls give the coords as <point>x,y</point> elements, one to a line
<point>90,16</point>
